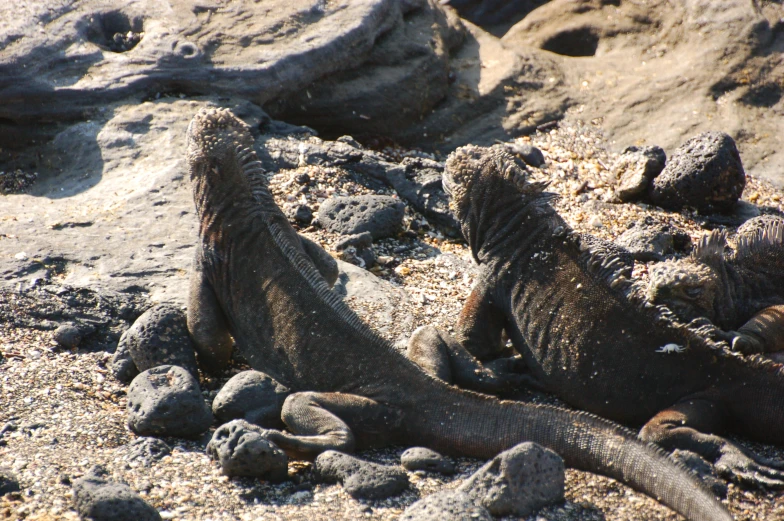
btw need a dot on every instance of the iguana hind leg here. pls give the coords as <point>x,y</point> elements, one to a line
<point>763,333</point>
<point>690,424</point>
<point>439,354</point>
<point>328,421</point>
<point>325,264</point>
<point>206,322</point>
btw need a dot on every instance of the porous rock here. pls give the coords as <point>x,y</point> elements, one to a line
<point>8,481</point>
<point>449,505</point>
<point>121,364</point>
<point>166,401</point>
<point>361,479</point>
<point>68,336</point>
<point>160,337</point>
<point>635,168</point>
<point>649,240</point>
<point>300,213</point>
<point>145,450</point>
<point>518,481</point>
<point>380,215</point>
<point>252,396</point>
<point>422,458</point>
<point>705,173</point>
<point>242,450</point>
<point>98,499</point>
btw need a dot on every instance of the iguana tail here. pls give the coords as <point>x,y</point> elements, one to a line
<point>471,424</point>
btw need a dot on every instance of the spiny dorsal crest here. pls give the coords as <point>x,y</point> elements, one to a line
<point>610,268</point>
<point>710,248</point>
<point>762,243</point>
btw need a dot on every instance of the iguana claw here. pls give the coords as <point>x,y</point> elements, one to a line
<point>759,472</point>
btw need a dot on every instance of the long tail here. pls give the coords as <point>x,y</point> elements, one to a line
<point>471,424</point>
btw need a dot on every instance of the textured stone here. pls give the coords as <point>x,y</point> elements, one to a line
<point>300,213</point>
<point>166,401</point>
<point>121,364</point>
<point>705,173</point>
<point>252,396</point>
<point>528,153</point>
<point>361,479</point>
<point>98,499</point>
<point>160,337</point>
<point>649,240</point>
<point>8,481</point>
<point>380,215</point>
<point>422,458</point>
<point>68,336</point>
<point>635,168</point>
<point>146,450</point>
<point>242,450</point>
<point>446,505</point>
<point>518,481</point>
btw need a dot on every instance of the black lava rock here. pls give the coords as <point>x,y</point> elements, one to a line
<point>447,504</point>
<point>67,336</point>
<point>8,481</point>
<point>528,153</point>
<point>648,240</point>
<point>300,213</point>
<point>705,173</point>
<point>361,479</point>
<point>380,215</point>
<point>146,450</point>
<point>635,168</point>
<point>98,499</point>
<point>121,364</point>
<point>242,450</point>
<point>160,337</point>
<point>166,401</point>
<point>251,396</point>
<point>422,458</point>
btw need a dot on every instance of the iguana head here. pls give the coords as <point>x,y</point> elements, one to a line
<point>215,141</point>
<point>686,286</point>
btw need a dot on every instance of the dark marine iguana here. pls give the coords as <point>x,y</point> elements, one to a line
<point>567,312</point>
<point>256,283</point>
<point>741,291</point>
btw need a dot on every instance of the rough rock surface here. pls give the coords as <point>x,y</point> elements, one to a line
<point>145,450</point>
<point>518,481</point>
<point>422,458</point>
<point>122,365</point>
<point>160,337</point>
<point>360,478</point>
<point>166,401</point>
<point>252,396</point>
<point>8,481</point>
<point>242,450</point>
<point>447,505</point>
<point>634,169</point>
<point>357,249</point>
<point>528,153</point>
<point>705,173</point>
<point>98,499</point>
<point>67,336</point>
<point>379,215</point>
<point>648,240</point>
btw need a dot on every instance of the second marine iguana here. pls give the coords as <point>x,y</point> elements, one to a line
<point>741,291</point>
<point>567,312</point>
<point>256,283</point>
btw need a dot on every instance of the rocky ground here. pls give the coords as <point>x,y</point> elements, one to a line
<point>63,412</point>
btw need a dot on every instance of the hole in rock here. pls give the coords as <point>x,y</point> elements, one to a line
<point>582,41</point>
<point>115,31</point>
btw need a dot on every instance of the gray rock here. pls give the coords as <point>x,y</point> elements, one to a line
<point>300,213</point>
<point>635,168</point>
<point>357,249</point>
<point>98,499</point>
<point>160,337</point>
<point>422,458</point>
<point>518,481</point>
<point>705,173</point>
<point>361,479</point>
<point>166,401</point>
<point>528,153</point>
<point>8,481</point>
<point>242,450</point>
<point>145,450</point>
<point>252,396</point>
<point>380,215</point>
<point>649,240</point>
<point>68,336</point>
<point>446,505</point>
<point>121,364</point>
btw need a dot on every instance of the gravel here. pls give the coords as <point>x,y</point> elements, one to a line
<point>67,413</point>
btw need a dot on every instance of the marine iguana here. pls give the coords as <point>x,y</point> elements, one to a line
<point>567,312</point>
<point>740,291</point>
<point>255,283</point>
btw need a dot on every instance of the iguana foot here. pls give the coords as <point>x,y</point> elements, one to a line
<point>749,471</point>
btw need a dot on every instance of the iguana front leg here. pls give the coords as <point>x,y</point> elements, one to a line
<point>481,323</point>
<point>689,425</point>
<point>328,421</point>
<point>325,264</point>
<point>442,356</point>
<point>763,333</point>
<point>206,322</point>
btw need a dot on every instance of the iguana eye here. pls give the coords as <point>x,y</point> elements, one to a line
<point>693,292</point>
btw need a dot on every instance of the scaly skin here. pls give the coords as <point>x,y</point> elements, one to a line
<point>255,283</point>
<point>567,312</point>
<point>741,291</point>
